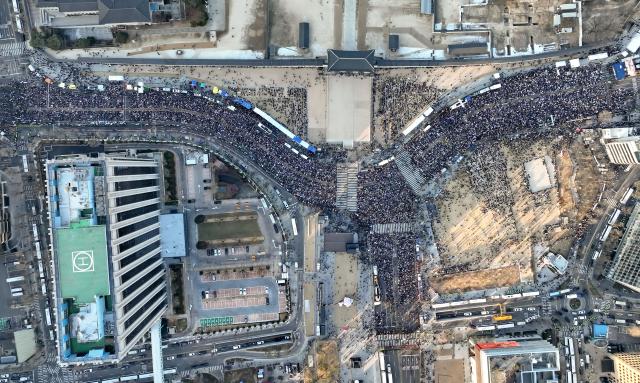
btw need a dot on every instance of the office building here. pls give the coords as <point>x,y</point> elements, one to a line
<point>522,360</point>
<point>626,265</point>
<point>623,151</point>
<point>626,367</point>
<point>110,284</point>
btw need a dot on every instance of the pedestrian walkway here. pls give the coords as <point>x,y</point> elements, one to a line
<point>389,228</point>
<point>347,186</point>
<point>409,172</point>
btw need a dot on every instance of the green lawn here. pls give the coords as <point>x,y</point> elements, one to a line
<point>215,231</point>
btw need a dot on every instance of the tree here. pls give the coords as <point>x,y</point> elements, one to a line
<point>38,40</point>
<point>199,219</point>
<point>201,245</point>
<point>54,42</point>
<point>122,37</point>
<point>85,42</point>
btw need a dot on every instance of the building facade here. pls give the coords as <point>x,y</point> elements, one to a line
<point>626,367</point>
<point>626,265</point>
<point>109,278</point>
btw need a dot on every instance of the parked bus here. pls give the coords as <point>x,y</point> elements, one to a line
<point>294,227</point>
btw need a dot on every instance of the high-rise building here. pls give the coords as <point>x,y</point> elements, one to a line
<point>518,360</point>
<point>623,151</point>
<point>626,367</point>
<point>626,265</point>
<point>105,234</point>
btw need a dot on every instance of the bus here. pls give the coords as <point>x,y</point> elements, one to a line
<point>571,352</point>
<point>25,163</point>
<point>614,217</point>
<point>294,227</point>
<point>383,365</point>
<point>626,196</point>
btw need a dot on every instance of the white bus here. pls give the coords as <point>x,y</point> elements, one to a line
<point>383,365</point>
<point>25,163</point>
<point>626,196</point>
<point>294,227</point>
<point>614,217</point>
<point>273,220</point>
<point>571,352</point>
<point>47,316</point>
<point>15,279</point>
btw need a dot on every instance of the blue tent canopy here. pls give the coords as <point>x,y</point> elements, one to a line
<point>618,71</point>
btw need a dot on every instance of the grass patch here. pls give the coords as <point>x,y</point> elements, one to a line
<point>177,289</point>
<point>216,231</point>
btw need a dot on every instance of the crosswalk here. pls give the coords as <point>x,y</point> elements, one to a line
<point>409,172</point>
<point>347,186</point>
<point>389,228</point>
<point>6,32</point>
<point>12,49</point>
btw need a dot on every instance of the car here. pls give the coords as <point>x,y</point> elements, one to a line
<point>236,347</point>
<point>517,309</point>
<point>266,290</point>
<point>531,308</point>
<point>388,367</point>
<point>260,373</point>
<point>260,342</point>
<point>581,312</point>
<point>467,314</point>
<point>192,354</point>
<point>172,357</point>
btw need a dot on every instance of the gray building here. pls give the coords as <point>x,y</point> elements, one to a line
<point>350,61</point>
<point>110,277</point>
<point>90,13</point>
<point>303,35</point>
<point>626,265</point>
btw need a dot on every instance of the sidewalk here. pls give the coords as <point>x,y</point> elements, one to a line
<point>203,53</point>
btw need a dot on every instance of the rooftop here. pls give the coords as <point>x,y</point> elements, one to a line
<point>350,61</point>
<point>81,252</point>
<point>172,239</point>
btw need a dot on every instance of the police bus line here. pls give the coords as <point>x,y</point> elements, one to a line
<point>528,294</point>
<point>168,371</point>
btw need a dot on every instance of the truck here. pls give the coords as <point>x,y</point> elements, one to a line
<point>15,279</point>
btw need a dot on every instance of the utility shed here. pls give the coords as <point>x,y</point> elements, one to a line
<point>394,42</point>
<point>303,35</point>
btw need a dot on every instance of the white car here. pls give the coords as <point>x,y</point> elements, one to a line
<point>531,308</point>
<point>467,314</point>
<point>516,309</point>
<point>260,342</point>
<point>172,357</point>
<point>192,354</point>
<point>236,347</point>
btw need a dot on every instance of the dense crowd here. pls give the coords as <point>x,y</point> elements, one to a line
<point>395,257</point>
<point>529,104</point>
<point>384,196</point>
<point>311,180</point>
<point>399,100</point>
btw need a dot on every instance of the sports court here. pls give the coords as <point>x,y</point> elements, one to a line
<point>81,252</point>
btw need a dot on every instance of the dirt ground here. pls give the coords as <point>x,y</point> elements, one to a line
<point>326,364</point>
<point>345,279</point>
<point>321,16</point>
<point>476,280</point>
<point>349,109</point>
<point>484,227</point>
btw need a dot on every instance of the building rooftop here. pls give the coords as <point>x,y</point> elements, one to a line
<point>172,239</point>
<point>600,330</point>
<point>124,11</point>
<point>25,341</point>
<point>625,265</point>
<point>83,271</point>
<point>350,61</point>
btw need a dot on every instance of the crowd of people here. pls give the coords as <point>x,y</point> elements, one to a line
<point>311,180</point>
<point>384,196</point>
<point>530,104</point>
<point>399,100</point>
<point>395,258</point>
